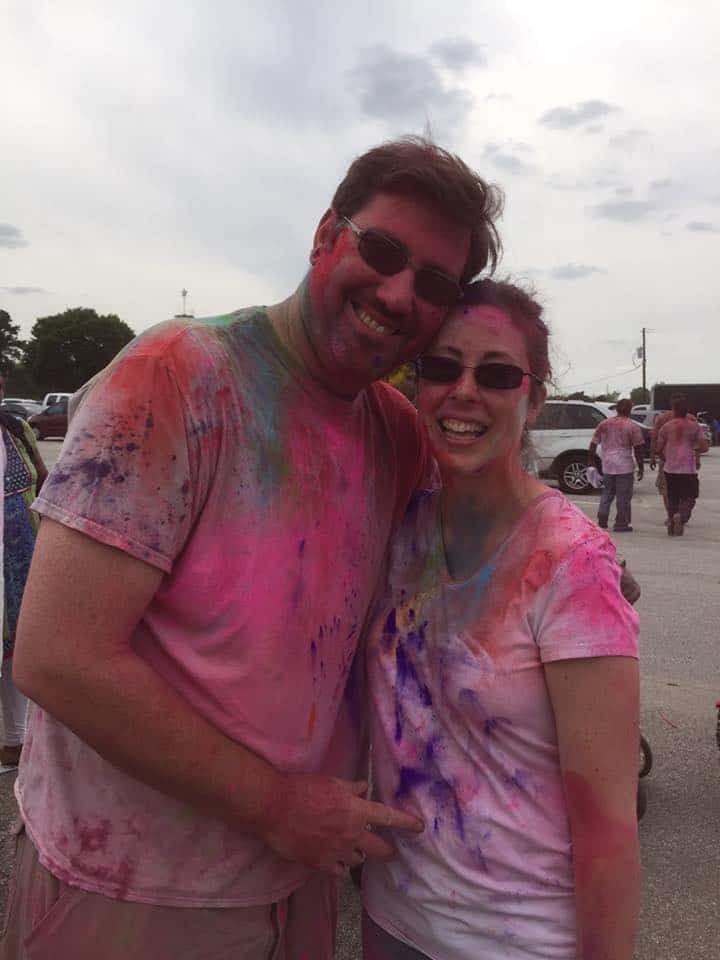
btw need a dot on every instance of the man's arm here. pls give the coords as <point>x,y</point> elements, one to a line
<point>638,451</point>
<point>82,602</point>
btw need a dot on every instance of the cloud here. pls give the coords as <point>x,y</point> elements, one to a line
<point>661,184</point>
<point>624,211</point>
<point>10,236</point>
<point>457,53</point>
<point>563,118</point>
<point>628,140</point>
<point>600,182</point>
<point>623,191</point>
<point>595,128</point>
<point>22,291</point>
<point>574,271</point>
<point>701,226</point>
<point>507,158</point>
<point>503,97</point>
<point>406,89</point>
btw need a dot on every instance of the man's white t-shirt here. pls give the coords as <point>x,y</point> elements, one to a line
<point>464,732</point>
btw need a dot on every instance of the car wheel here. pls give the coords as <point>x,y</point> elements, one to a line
<point>572,474</point>
<point>36,431</point>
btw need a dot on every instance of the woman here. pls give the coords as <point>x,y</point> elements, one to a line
<point>24,475</point>
<point>504,681</point>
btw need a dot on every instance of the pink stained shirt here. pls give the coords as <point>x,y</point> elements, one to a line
<point>618,436</point>
<point>677,440</point>
<point>269,506</point>
<point>463,730</point>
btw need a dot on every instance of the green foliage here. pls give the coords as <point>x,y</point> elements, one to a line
<point>11,346</point>
<point>640,395</point>
<point>67,349</point>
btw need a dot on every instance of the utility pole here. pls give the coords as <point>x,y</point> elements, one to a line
<point>644,360</point>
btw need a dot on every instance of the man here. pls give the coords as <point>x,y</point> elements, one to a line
<point>621,439</point>
<point>680,442</point>
<point>659,423</point>
<point>214,533</point>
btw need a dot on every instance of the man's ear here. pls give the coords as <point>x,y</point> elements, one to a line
<point>326,230</point>
<point>536,405</point>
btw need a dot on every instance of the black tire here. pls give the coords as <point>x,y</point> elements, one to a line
<point>641,800</point>
<point>571,471</point>
<point>646,757</point>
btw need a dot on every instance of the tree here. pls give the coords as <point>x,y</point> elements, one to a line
<point>11,346</point>
<point>68,348</point>
<point>640,395</point>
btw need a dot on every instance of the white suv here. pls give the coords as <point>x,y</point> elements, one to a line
<point>561,437</point>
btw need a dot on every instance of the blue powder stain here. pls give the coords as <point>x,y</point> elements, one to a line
<point>301,547</point>
<point>479,858</point>
<point>493,723</point>
<point>94,470</point>
<point>406,671</point>
<point>518,780</point>
<point>436,825</point>
<point>409,779</point>
<point>130,447</point>
<point>444,796</point>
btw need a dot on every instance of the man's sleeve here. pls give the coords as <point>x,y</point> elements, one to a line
<point>129,472</point>
<point>582,612</point>
<point>597,435</point>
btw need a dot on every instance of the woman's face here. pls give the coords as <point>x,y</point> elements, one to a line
<point>471,427</point>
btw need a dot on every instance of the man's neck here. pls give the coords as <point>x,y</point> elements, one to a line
<point>291,321</point>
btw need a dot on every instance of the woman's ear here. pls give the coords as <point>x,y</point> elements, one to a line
<point>536,404</point>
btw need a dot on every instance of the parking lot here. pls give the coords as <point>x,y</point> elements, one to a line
<point>680,669</point>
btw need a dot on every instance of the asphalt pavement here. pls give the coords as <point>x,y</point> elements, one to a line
<point>680,677</point>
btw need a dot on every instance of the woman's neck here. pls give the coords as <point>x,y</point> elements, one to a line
<point>479,511</point>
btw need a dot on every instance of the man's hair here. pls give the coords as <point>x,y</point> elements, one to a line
<point>680,406</point>
<point>623,407</point>
<point>526,315</point>
<point>677,396</point>
<point>417,167</point>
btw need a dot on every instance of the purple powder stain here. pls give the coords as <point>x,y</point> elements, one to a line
<point>93,470</point>
<point>313,652</point>
<point>410,778</point>
<point>301,547</point>
<point>130,447</point>
<point>479,858</point>
<point>519,780</point>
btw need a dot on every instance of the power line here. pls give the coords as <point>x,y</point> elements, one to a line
<point>610,376</point>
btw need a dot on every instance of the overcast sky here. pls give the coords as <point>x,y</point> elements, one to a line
<point>146,148</point>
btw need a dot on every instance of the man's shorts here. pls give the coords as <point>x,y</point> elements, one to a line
<point>50,920</point>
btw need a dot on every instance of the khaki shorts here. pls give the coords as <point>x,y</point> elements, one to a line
<point>46,918</point>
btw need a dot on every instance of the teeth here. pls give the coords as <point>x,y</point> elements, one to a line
<point>373,324</point>
<point>463,426</point>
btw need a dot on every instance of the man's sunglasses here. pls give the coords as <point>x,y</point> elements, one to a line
<point>388,256</point>
<point>495,376</point>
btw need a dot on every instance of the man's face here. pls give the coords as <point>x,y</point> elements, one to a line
<point>364,324</point>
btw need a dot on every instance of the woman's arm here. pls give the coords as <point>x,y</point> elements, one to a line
<point>596,702</point>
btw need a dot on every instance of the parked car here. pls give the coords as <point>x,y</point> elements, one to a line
<point>561,436</point>
<point>23,408</point>
<point>50,399</point>
<point>52,422</point>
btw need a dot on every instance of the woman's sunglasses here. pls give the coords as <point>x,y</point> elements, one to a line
<point>496,376</point>
<point>388,257</point>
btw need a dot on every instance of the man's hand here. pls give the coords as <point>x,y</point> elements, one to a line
<point>653,463</point>
<point>640,473</point>
<point>326,824</point>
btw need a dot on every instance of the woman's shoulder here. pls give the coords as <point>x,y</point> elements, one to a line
<point>555,529</point>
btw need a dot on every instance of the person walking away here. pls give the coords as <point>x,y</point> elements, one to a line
<point>24,476</point>
<point>655,461</point>
<point>621,440</point>
<point>680,443</point>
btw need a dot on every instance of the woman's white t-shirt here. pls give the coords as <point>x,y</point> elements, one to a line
<point>464,732</point>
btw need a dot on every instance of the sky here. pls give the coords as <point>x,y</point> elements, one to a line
<point>151,148</point>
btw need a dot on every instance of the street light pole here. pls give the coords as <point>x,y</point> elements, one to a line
<point>644,365</point>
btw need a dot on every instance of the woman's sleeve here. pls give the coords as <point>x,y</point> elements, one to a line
<point>581,612</point>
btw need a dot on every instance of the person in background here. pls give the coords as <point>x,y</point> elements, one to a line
<point>680,442</point>
<point>502,662</point>
<point>622,446</point>
<point>24,476</point>
<point>659,423</point>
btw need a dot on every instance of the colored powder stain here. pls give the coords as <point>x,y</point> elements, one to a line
<point>94,470</point>
<point>436,825</point>
<point>149,422</point>
<point>519,780</point>
<point>301,547</point>
<point>130,447</point>
<point>390,629</point>
<point>479,858</point>
<point>444,796</point>
<point>313,652</point>
<point>409,779</point>
<point>311,721</point>
<point>406,672</point>
<point>492,724</point>
<point>94,838</point>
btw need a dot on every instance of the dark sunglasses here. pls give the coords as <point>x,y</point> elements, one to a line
<point>496,376</point>
<point>388,256</point>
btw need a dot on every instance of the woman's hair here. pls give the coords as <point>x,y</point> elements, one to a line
<point>526,315</point>
<point>417,167</point>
